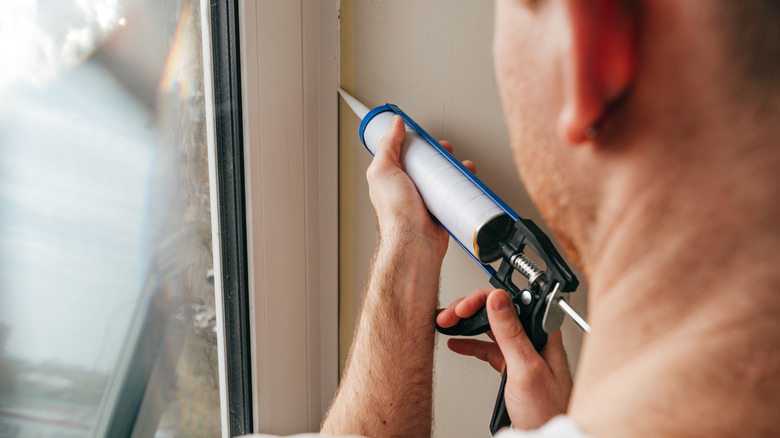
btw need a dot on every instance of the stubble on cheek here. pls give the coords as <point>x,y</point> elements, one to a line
<point>529,78</point>
<point>554,192</point>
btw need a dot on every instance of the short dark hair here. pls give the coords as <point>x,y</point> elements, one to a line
<point>752,28</point>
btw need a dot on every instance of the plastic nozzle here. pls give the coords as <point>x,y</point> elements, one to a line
<point>358,108</point>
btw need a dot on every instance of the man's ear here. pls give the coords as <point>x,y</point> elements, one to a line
<point>599,64</point>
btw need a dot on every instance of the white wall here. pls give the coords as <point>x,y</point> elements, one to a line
<point>434,60</point>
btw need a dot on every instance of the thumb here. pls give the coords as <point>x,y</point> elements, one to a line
<point>389,150</point>
<point>509,333</point>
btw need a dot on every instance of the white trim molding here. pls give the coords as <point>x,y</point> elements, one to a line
<point>289,78</point>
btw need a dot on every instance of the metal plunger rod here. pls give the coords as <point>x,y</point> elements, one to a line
<point>567,309</point>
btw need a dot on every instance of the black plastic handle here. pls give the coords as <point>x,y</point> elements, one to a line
<point>500,417</point>
<point>474,325</point>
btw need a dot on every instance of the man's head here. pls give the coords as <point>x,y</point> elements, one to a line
<point>609,100</point>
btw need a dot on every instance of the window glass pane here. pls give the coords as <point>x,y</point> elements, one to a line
<point>107,317</point>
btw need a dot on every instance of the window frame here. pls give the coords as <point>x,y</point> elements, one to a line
<point>222,78</point>
<point>289,115</point>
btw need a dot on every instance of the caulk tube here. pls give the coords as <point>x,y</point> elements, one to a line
<point>464,206</point>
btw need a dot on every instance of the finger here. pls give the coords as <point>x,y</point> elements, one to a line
<point>448,317</point>
<point>482,350</point>
<point>454,312</point>
<point>389,149</point>
<point>468,164</point>
<point>446,145</point>
<point>510,336</point>
<point>472,302</point>
<point>555,355</point>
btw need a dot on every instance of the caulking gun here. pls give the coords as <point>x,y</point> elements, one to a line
<point>483,225</point>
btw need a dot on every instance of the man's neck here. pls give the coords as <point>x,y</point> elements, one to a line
<point>684,303</point>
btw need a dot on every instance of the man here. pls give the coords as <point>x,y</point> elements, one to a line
<point>648,132</point>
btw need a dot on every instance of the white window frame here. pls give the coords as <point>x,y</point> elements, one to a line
<point>289,70</point>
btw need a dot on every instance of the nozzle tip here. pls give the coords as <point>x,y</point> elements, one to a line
<point>358,108</point>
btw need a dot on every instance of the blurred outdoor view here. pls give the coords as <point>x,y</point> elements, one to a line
<point>107,317</point>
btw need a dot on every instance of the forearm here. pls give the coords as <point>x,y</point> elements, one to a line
<point>386,388</point>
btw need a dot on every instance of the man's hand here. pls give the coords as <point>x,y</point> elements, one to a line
<point>538,385</point>
<point>401,213</point>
